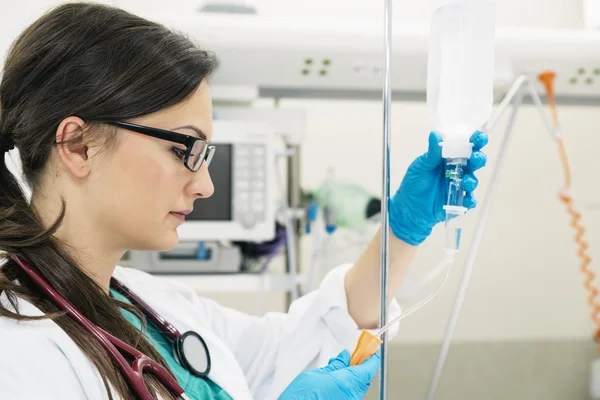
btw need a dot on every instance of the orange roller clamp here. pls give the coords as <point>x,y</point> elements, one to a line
<point>367,345</point>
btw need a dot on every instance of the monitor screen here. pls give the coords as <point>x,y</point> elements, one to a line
<point>218,206</point>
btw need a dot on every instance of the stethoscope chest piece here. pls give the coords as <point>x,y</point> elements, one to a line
<point>192,353</point>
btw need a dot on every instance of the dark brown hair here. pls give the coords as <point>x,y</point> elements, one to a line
<point>98,63</point>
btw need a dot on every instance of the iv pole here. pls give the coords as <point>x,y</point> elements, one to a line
<point>514,95</point>
<point>385,231</point>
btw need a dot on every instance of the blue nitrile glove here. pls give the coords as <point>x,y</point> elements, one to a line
<point>418,204</point>
<point>336,381</point>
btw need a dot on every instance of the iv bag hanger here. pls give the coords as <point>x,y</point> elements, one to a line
<point>514,96</point>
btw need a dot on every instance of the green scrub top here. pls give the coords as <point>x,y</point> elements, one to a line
<point>196,388</point>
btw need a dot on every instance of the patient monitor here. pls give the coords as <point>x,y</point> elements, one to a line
<point>242,170</point>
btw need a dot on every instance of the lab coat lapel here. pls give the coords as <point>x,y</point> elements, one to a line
<point>225,370</point>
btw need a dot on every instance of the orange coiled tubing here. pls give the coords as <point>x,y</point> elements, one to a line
<point>547,78</point>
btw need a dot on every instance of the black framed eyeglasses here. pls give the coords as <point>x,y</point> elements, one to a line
<point>197,150</point>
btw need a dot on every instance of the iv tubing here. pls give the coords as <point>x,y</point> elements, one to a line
<point>479,231</point>
<point>385,222</point>
<point>447,262</point>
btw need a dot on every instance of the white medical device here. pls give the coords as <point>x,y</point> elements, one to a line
<point>339,57</point>
<point>243,205</point>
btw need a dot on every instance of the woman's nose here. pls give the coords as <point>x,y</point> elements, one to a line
<point>201,185</point>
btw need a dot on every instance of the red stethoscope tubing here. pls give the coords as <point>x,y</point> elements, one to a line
<point>115,347</point>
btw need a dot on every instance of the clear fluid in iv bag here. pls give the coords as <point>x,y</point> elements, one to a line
<point>460,72</point>
<point>453,232</point>
<point>454,204</point>
<point>454,175</point>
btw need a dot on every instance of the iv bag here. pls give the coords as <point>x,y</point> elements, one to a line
<point>460,71</point>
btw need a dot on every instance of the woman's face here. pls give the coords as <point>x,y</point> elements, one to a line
<point>143,186</point>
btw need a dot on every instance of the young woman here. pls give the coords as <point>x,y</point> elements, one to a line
<point>112,118</point>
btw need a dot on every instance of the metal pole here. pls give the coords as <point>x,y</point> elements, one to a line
<point>292,254</point>
<point>555,132</point>
<point>385,231</point>
<point>293,225</point>
<point>479,231</point>
<point>508,98</point>
<point>510,94</point>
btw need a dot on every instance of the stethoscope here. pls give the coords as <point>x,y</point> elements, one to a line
<point>189,348</point>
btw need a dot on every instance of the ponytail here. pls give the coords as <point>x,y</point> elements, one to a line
<point>19,229</point>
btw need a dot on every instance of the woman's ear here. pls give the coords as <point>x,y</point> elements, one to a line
<point>72,146</point>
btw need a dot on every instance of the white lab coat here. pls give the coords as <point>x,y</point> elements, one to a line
<point>252,357</point>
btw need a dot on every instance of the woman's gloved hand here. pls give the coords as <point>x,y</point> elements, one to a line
<point>418,204</point>
<point>336,381</point>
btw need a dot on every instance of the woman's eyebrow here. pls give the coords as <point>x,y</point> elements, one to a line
<point>194,128</point>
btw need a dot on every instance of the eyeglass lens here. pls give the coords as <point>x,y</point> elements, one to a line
<point>197,155</point>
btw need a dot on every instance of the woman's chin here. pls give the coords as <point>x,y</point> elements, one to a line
<point>165,242</point>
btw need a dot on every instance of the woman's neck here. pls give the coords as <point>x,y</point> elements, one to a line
<point>84,242</point>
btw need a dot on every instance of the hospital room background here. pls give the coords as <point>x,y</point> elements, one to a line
<point>525,330</point>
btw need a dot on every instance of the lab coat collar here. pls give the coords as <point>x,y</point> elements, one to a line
<point>225,370</point>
